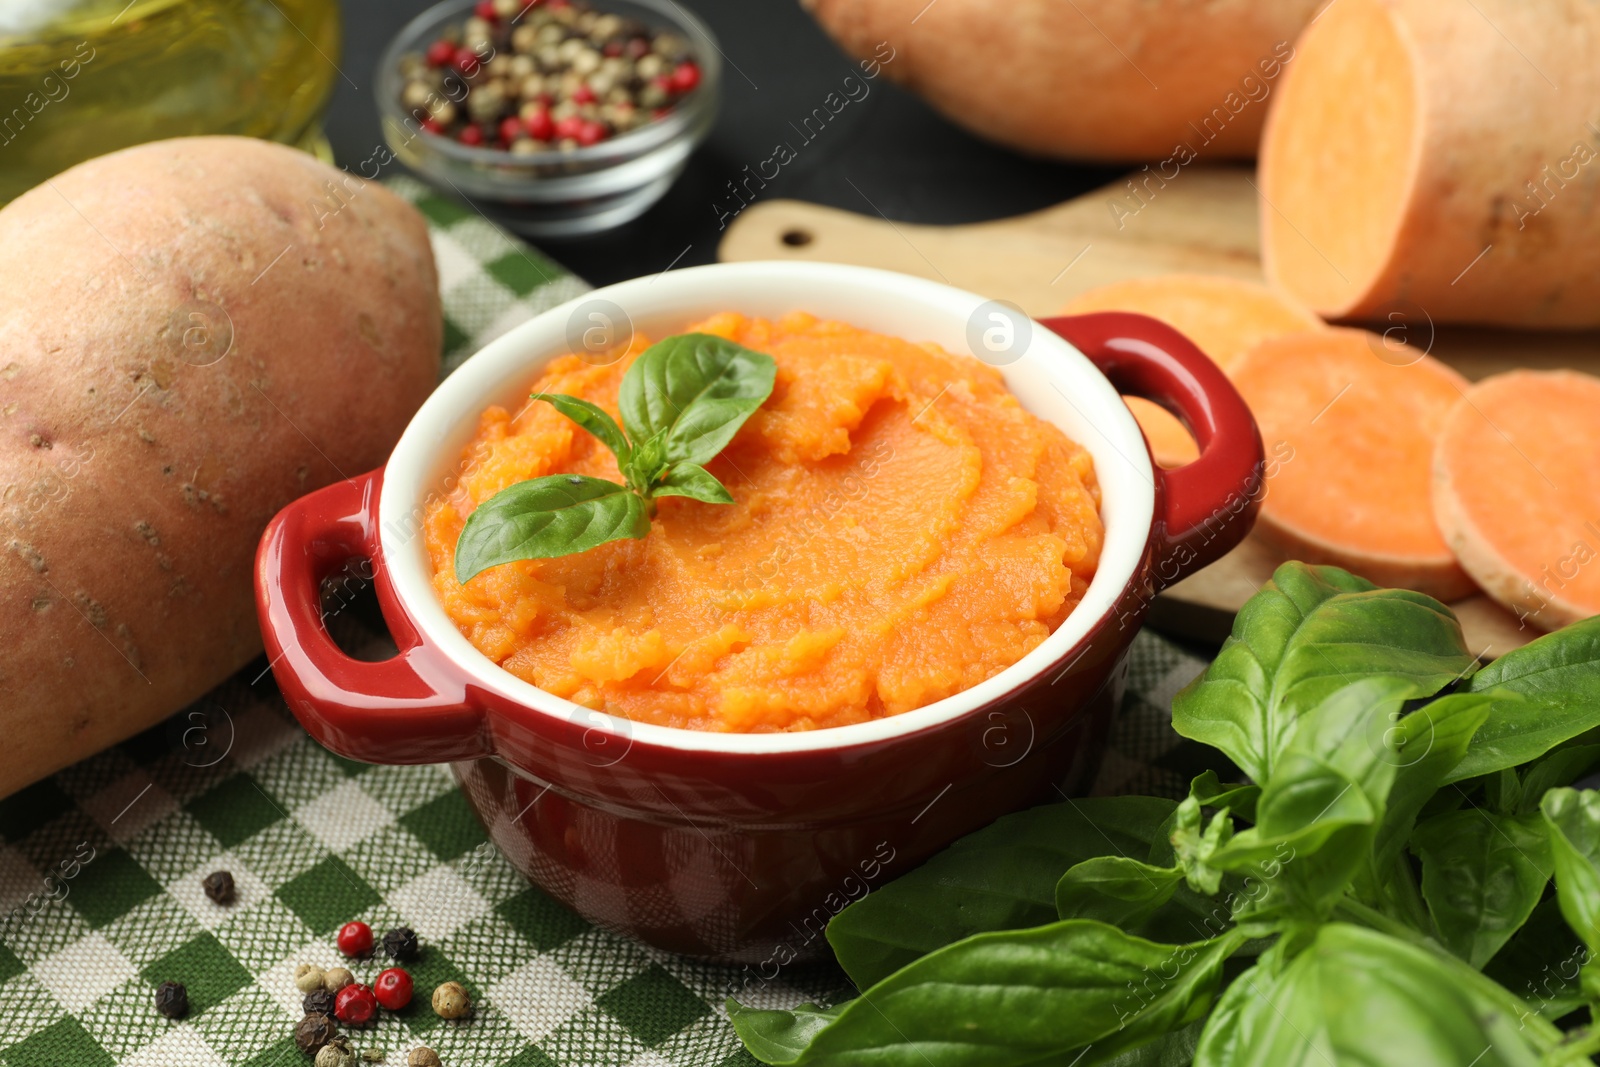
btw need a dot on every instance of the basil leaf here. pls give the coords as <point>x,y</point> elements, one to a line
<point>1175,1049</point>
<point>1482,876</point>
<point>1427,745</point>
<point>695,390</point>
<point>1316,824</point>
<point>1355,996</point>
<point>1541,963</point>
<point>1114,889</point>
<point>775,1036</point>
<point>546,517</point>
<point>1563,666</point>
<point>1558,678</point>
<point>1193,846</point>
<point>1008,999</point>
<point>1309,632</point>
<point>694,481</point>
<point>1561,767</point>
<point>1002,877</point>
<point>593,418</point>
<point>1209,790</point>
<point>1572,820</point>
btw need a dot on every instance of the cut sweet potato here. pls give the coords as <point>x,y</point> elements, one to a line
<point>1420,159</point>
<point>1354,434</point>
<point>1224,317</point>
<point>1517,492</point>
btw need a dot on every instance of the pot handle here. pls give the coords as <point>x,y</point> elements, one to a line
<point>1205,508</point>
<point>414,708</point>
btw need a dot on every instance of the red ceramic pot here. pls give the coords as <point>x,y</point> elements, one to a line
<point>741,846</point>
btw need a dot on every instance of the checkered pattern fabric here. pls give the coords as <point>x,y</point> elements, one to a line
<point>101,866</point>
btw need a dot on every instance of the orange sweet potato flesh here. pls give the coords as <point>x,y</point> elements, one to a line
<point>1516,491</point>
<point>1084,79</point>
<point>1354,432</point>
<point>1224,317</point>
<point>902,529</point>
<point>1420,158</point>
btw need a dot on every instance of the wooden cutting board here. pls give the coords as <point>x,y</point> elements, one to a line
<point>1205,221</point>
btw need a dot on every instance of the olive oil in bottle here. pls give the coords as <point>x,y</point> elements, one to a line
<point>80,78</point>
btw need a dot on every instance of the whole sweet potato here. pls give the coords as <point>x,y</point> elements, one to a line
<point>192,333</point>
<point>1165,81</point>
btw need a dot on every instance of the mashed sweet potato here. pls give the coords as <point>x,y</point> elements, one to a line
<point>902,530</point>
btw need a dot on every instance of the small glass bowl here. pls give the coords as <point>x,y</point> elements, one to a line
<point>558,193</point>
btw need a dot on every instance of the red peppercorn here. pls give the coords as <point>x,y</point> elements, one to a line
<point>484,9</point>
<point>466,61</point>
<point>511,128</point>
<point>611,49</point>
<point>355,938</point>
<point>539,125</point>
<point>393,988</point>
<point>471,136</point>
<point>592,133</point>
<point>583,95</point>
<point>433,126</point>
<point>568,127</point>
<point>660,112</point>
<point>355,1004</point>
<point>440,53</point>
<point>663,82</point>
<point>685,76</point>
<point>637,48</point>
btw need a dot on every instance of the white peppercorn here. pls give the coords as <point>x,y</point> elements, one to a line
<point>308,976</point>
<point>423,1057</point>
<point>336,978</point>
<point>416,94</point>
<point>335,1055</point>
<point>486,102</point>
<point>450,1001</point>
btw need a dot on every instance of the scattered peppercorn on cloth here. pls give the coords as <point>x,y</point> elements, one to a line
<point>101,866</point>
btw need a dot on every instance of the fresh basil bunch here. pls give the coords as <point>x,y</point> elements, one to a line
<point>682,401</point>
<point>1380,893</point>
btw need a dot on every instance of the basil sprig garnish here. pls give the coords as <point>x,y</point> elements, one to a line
<point>681,401</point>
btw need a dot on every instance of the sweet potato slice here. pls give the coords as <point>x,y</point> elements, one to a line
<point>1516,491</point>
<point>1225,317</point>
<point>1437,160</point>
<point>1354,432</point>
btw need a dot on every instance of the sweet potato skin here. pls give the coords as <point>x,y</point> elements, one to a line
<point>192,333</point>
<point>1097,79</point>
<point>1498,218</point>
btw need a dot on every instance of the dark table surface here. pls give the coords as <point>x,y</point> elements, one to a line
<point>888,148</point>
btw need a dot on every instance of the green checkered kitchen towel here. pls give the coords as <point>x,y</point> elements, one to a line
<point>314,840</point>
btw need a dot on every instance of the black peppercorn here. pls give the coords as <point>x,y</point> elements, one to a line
<point>319,1002</point>
<point>400,943</point>
<point>219,887</point>
<point>172,1000</point>
<point>313,1032</point>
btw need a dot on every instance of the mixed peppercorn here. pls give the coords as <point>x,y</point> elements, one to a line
<point>333,996</point>
<point>526,76</point>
